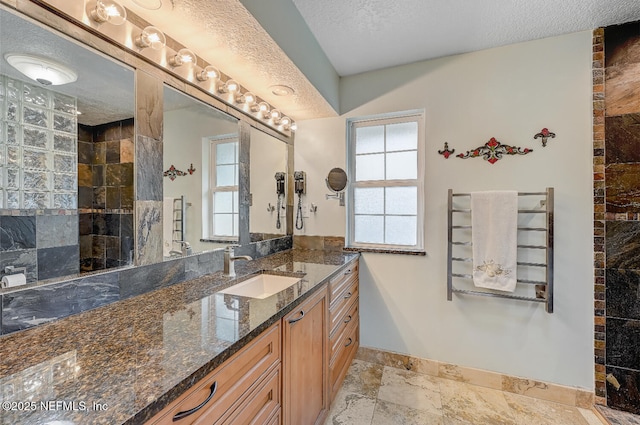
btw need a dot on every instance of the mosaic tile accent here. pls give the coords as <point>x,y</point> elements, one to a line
<point>599,199</point>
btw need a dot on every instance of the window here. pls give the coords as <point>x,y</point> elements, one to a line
<point>386,174</point>
<point>223,193</point>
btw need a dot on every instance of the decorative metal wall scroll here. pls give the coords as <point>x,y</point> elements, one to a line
<point>446,152</point>
<point>173,172</point>
<point>544,135</point>
<point>493,150</point>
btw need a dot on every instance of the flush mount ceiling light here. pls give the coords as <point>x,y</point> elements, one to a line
<point>148,4</point>
<point>42,70</point>
<point>208,73</point>
<point>281,90</point>
<point>109,11</point>
<point>151,37</point>
<point>183,57</point>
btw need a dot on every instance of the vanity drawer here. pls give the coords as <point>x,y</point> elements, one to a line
<point>348,316</point>
<point>259,406</point>
<point>338,284</point>
<point>345,352</point>
<point>229,384</point>
<point>339,310</point>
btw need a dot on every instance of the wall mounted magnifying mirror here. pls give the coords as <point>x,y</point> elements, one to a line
<point>336,182</point>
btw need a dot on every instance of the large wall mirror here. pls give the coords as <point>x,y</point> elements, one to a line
<point>268,183</point>
<point>66,155</point>
<point>67,163</point>
<point>201,179</point>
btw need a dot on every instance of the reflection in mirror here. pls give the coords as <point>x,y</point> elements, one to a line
<point>200,186</point>
<point>66,155</point>
<point>268,159</point>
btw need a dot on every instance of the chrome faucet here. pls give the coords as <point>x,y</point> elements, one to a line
<point>229,259</point>
<point>185,247</point>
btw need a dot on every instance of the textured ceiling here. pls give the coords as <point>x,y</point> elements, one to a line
<point>356,35</point>
<point>225,34</point>
<point>364,35</point>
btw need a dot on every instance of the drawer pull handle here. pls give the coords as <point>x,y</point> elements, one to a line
<point>348,272</point>
<point>292,321</point>
<point>186,413</point>
<point>349,294</point>
<point>348,319</point>
<point>349,343</point>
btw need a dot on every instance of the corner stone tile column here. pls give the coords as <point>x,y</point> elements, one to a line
<point>148,169</point>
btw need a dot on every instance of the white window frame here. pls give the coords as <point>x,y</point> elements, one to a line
<point>417,116</point>
<point>213,188</point>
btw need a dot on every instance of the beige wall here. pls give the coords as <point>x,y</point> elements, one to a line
<point>510,93</point>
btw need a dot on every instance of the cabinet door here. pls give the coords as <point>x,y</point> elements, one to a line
<point>306,361</point>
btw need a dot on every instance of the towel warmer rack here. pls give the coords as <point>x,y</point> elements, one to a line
<point>179,220</point>
<point>543,286</point>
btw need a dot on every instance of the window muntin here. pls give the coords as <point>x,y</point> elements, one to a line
<point>386,173</point>
<point>224,187</point>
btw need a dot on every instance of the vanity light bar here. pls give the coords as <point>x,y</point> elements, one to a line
<point>110,11</point>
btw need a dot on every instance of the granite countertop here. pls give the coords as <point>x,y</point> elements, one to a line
<point>123,362</point>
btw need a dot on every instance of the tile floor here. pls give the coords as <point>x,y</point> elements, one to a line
<point>373,394</point>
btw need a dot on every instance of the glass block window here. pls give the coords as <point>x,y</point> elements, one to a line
<point>224,163</point>
<point>386,174</point>
<point>38,139</point>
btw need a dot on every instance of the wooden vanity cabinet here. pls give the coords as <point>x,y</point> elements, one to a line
<point>305,361</point>
<point>244,389</point>
<point>288,374</point>
<point>344,317</point>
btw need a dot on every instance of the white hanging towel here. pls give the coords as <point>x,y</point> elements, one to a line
<point>494,239</point>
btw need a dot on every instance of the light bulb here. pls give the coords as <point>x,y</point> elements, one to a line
<point>109,11</point>
<point>293,126</point>
<point>285,121</point>
<point>261,108</point>
<point>231,86</point>
<point>209,73</point>
<point>248,98</point>
<point>151,37</point>
<point>275,115</point>
<point>184,56</point>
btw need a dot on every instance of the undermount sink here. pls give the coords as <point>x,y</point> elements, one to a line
<point>261,286</point>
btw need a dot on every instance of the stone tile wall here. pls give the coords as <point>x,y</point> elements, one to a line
<point>105,191</point>
<point>617,242</point>
<point>26,241</point>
